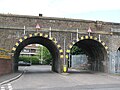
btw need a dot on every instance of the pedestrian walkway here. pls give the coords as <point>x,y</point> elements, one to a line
<point>8,76</point>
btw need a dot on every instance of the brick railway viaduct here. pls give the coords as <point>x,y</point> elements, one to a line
<point>58,35</point>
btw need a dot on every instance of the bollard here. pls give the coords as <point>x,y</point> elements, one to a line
<point>65,68</point>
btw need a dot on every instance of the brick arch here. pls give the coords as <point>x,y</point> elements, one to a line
<point>83,38</point>
<point>41,35</point>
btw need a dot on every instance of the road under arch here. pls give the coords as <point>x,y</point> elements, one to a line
<point>95,52</point>
<point>49,44</point>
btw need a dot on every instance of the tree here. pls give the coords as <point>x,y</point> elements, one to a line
<point>75,50</point>
<point>45,54</point>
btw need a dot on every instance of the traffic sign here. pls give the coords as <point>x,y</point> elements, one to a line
<point>89,30</point>
<point>37,26</point>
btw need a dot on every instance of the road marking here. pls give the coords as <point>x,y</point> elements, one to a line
<point>7,87</point>
<point>2,88</point>
<point>10,87</point>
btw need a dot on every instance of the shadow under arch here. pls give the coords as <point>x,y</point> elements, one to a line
<point>94,48</point>
<point>43,39</point>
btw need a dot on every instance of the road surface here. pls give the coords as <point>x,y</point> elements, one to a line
<point>42,78</point>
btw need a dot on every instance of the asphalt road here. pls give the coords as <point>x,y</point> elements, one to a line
<point>42,78</point>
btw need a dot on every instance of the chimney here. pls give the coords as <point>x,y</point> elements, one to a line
<point>40,15</point>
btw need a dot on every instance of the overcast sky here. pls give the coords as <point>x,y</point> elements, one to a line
<point>104,10</point>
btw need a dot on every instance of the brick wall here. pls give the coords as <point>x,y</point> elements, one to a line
<point>5,66</point>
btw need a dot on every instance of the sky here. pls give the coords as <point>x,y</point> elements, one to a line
<point>102,10</point>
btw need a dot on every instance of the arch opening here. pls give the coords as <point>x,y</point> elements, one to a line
<point>49,44</point>
<point>95,55</point>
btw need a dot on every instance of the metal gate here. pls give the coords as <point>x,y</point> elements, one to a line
<point>117,63</point>
<point>79,61</point>
<point>114,62</point>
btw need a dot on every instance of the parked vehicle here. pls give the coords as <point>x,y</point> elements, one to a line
<point>22,63</point>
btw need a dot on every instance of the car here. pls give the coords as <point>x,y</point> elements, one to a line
<point>22,63</point>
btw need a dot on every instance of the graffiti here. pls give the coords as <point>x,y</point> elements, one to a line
<point>4,54</point>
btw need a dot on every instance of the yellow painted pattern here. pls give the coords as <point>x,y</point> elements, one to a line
<point>58,45</point>
<point>82,38</point>
<point>51,38</point>
<point>13,48</point>
<point>86,37</point>
<point>25,37</point>
<point>61,56</point>
<point>103,43</point>
<point>41,34</point>
<point>20,40</point>
<point>55,41</point>
<point>66,56</point>
<point>46,36</point>
<point>100,41</point>
<point>60,50</point>
<point>17,44</point>
<point>35,34</point>
<point>70,46</point>
<point>73,43</point>
<point>30,35</point>
<point>95,38</point>
<point>64,69</point>
<point>68,51</point>
<point>106,47</point>
<point>91,37</point>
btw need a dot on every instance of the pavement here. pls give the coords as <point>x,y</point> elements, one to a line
<point>42,78</point>
<point>11,76</point>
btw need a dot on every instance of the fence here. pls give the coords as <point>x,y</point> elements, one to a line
<point>79,61</point>
<point>114,62</point>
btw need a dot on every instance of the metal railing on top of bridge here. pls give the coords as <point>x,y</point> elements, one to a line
<point>50,29</point>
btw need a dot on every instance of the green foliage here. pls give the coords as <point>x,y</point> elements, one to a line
<point>46,55</point>
<point>33,59</point>
<point>75,50</point>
